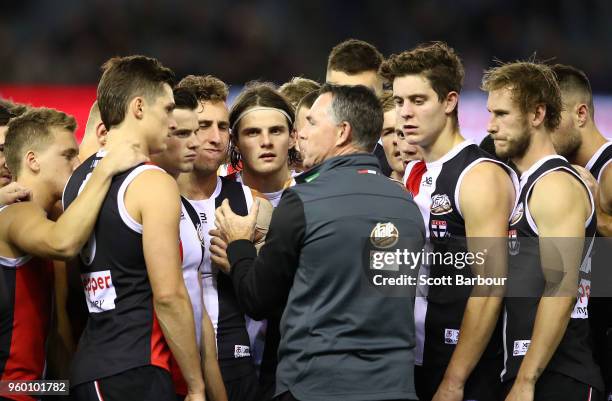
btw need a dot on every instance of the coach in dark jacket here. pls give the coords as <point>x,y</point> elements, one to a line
<point>338,341</point>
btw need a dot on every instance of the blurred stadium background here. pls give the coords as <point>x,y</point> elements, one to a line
<point>51,51</point>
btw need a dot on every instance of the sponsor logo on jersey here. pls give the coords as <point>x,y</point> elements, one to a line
<point>384,235</point>
<point>451,336</point>
<point>99,291</point>
<point>439,228</point>
<point>514,244</point>
<point>518,213</point>
<point>242,351</point>
<point>427,181</point>
<point>203,218</point>
<point>440,204</point>
<point>182,216</point>
<point>520,347</point>
<point>581,310</point>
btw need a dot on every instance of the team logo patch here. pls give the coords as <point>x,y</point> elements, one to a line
<point>520,347</point>
<point>451,336</point>
<point>518,213</point>
<point>514,244</point>
<point>439,228</point>
<point>384,235</point>
<point>242,351</point>
<point>440,204</point>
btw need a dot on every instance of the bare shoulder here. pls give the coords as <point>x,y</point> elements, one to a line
<point>486,182</point>
<point>22,216</point>
<point>152,188</point>
<point>558,195</point>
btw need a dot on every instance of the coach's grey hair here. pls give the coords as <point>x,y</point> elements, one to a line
<point>360,107</point>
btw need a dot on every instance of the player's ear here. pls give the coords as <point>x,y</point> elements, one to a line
<point>101,134</point>
<point>31,161</point>
<point>136,107</point>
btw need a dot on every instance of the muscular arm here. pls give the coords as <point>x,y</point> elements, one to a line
<point>559,206</point>
<point>215,389</point>
<point>33,233</point>
<point>486,232</point>
<point>160,237</point>
<point>604,203</point>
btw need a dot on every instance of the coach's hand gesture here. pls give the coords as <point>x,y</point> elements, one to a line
<point>234,227</point>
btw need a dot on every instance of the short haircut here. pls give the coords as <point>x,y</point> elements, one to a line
<point>573,80</point>
<point>387,102</point>
<point>358,106</point>
<point>32,131</point>
<point>5,116</point>
<point>531,84</point>
<point>436,61</point>
<point>185,99</point>
<point>354,56</point>
<point>297,88</point>
<point>124,78</point>
<point>307,101</point>
<point>16,109</point>
<point>255,94</point>
<point>205,87</point>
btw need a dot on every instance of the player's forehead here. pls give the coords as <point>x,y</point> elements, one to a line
<point>186,119</point>
<point>63,138</point>
<point>412,84</point>
<point>500,98</point>
<point>212,110</point>
<point>263,119</point>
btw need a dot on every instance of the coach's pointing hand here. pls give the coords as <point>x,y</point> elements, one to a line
<point>234,227</point>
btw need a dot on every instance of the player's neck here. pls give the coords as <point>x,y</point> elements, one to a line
<point>272,182</point>
<point>126,129</point>
<point>592,140</point>
<point>540,147</point>
<point>40,192</point>
<point>197,186</point>
<point>446,141</point>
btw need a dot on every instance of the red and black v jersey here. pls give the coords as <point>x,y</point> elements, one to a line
<point>122,331</point>
<point>24,322</point>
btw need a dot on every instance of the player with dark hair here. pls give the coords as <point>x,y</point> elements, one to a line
<point>458,327</point>
<point>131,267</point>
<point>579,140</point>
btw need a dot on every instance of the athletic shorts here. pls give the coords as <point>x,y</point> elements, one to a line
<point>146,383</point>
<point>553,386</point>
<point>484,384</point>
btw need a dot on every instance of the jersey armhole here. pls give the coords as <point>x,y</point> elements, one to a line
<point>511,173</point>
<point>125,216</point>
<point>530,219</point>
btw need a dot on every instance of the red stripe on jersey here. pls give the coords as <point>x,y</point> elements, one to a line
<point>233,170</point>
<point>31,316</point>
<point>180,385</point>
<point>160,353</point>
<point>413,183</point>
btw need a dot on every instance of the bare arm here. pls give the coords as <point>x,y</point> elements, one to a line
<point>604,203</point>
<point>561,236</point>
<point>160,238</point>
<point>33,233</point>
<point>215,389</point>
<point>486,232</point>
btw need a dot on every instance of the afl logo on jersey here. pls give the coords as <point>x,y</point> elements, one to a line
<point>384,235</point>
<point>440,204</point>
<point>518,214</point>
